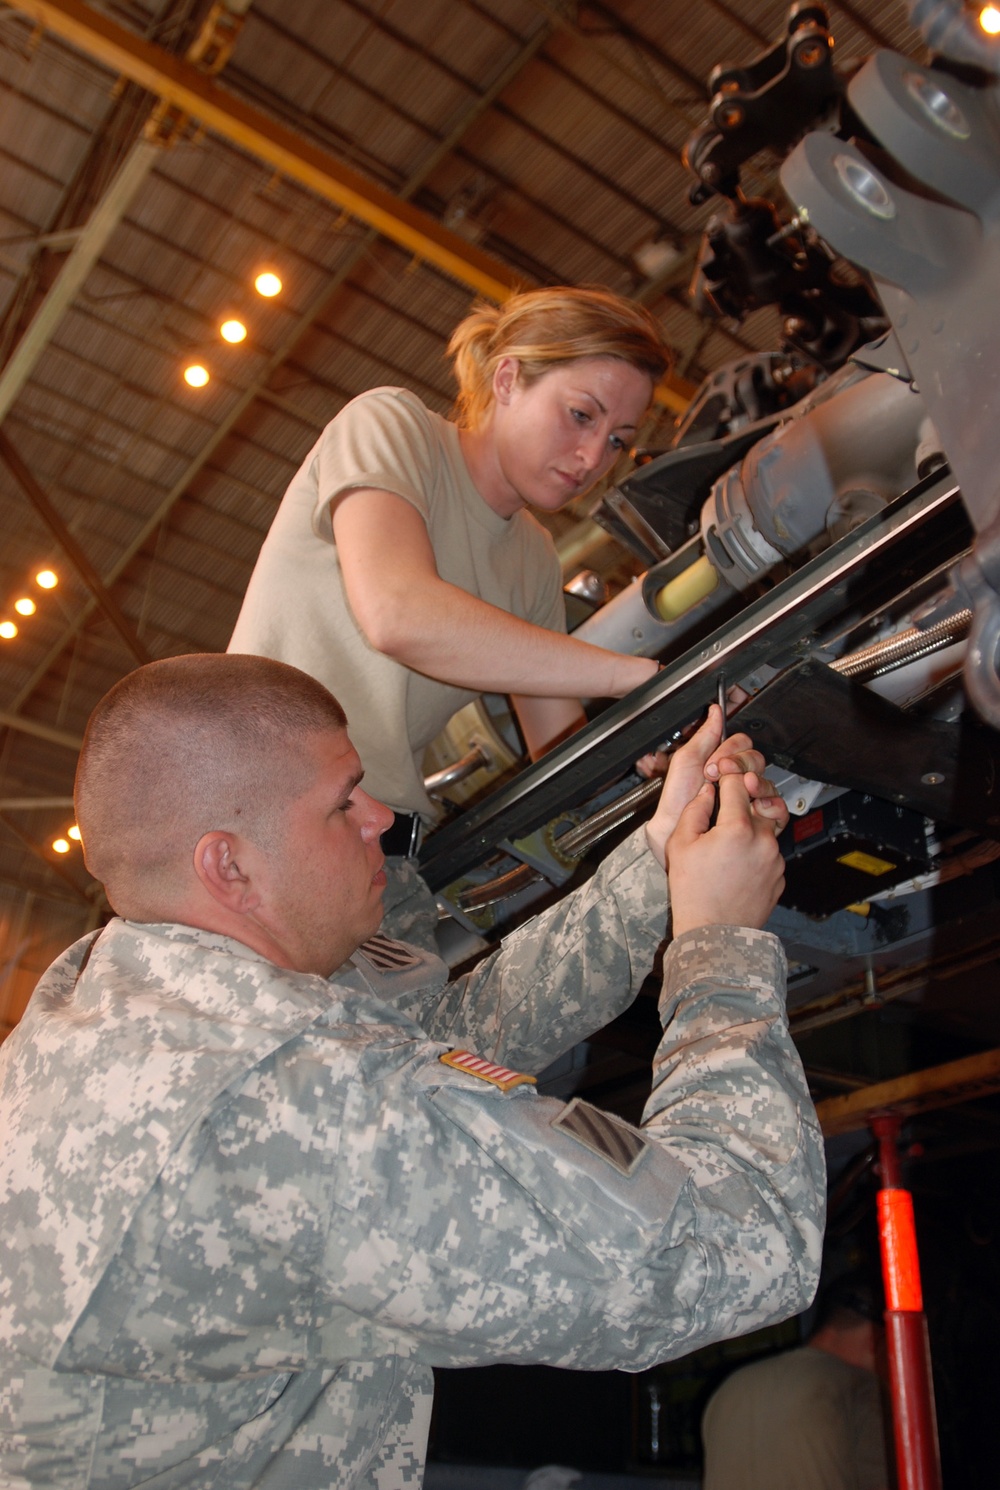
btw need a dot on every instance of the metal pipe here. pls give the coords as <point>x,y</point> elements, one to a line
<point>918,1460</point>
<point>906,646</point>
<point>458,771</point>
<point>573,844</point>
<point>579,839</point>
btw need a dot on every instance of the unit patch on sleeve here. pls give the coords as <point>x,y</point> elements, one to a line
<point>603,1134</point>
<point>474,1065</point>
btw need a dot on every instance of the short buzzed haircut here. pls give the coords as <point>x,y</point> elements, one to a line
<point>185,746</point>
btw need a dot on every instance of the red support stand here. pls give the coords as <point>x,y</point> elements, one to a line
<point>918,1459</point>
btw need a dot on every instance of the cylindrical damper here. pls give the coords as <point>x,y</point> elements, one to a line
<point>685,591</point>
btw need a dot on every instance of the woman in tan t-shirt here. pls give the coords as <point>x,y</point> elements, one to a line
<point>553,386</point>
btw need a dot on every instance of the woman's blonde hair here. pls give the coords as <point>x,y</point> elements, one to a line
<point>543,328</point>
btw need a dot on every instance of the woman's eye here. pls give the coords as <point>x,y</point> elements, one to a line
<point>580,415</point>
<point>617,443</point>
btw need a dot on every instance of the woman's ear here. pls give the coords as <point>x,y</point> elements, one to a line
<point>505,379</point>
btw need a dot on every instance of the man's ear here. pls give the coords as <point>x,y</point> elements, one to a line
<point>220,862</point>
<point>505,379</point>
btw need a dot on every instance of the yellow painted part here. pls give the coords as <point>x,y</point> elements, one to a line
<point>684,592</point>
<point>674,393</point>
<point>867,863</point>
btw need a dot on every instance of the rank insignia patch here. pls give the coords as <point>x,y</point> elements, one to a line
<point>604,1135</point>
<point>388,956</point>
<point>474,1065</point>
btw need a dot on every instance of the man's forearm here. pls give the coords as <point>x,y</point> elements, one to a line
<point>567,972</point>
<point>729,1098</point>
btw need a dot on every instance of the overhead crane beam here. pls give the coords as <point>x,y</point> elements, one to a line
<point>184,86</point>
<point>188,89</point>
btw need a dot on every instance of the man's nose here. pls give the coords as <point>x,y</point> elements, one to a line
<point>378,817</point>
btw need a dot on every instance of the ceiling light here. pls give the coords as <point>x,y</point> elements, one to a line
<point>267,284</point>
<point>74,833</point>
<point>47,578</point>
<point>61,845</point>
<point>25,607</point>
<point>989,19</point>
<point>8,630</point>
<point>233,331</point>
<point>196,375</point>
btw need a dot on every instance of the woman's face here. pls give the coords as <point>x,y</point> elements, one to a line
<point>553,438</point>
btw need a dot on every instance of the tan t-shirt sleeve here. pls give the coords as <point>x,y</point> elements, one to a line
<point>374,442</point>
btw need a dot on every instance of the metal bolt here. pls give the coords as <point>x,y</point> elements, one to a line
<point>810,54</point>
<point>871,993</point>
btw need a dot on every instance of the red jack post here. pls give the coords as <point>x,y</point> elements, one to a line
<point>918,1458</point>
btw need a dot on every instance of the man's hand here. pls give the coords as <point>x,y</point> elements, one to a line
<point>729,875</point>
<point>707,757</point>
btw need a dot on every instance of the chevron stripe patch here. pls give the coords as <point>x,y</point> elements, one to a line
<point>474,1065</point>
<point>604,1135</point>
<point>388,956</point>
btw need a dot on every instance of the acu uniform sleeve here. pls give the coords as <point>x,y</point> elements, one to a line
<point>564,974</point>
<point>491,1225</point>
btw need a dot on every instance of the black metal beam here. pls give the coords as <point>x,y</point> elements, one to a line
<point>917,532</point>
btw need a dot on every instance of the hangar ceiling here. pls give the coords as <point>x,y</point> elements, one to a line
<point>388,160</point>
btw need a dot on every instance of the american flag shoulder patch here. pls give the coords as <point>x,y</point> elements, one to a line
<point>475,1065</point>
<point>388,956</point>
<point>604,1135</point>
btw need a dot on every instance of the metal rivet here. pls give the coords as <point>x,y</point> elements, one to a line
<point>932,778</point>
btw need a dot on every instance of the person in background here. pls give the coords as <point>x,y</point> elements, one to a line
<point>264,1167</point>
<point>807,1419</point>
<point>406,570</point>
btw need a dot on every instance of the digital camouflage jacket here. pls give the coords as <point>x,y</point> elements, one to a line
<point>244,1211</point>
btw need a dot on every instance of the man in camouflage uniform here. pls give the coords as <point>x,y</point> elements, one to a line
<point>251,1192</point>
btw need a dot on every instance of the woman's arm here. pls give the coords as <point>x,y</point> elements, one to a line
<point>546,721</point>
<point>407,611</point>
